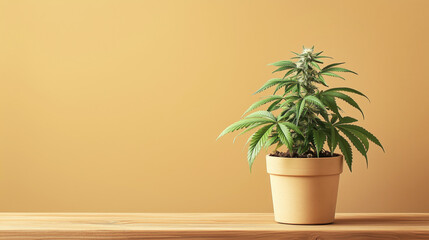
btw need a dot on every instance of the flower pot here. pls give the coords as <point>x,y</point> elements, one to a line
<point>304,190</point>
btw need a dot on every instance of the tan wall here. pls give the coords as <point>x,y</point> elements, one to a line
<point>116,105</point>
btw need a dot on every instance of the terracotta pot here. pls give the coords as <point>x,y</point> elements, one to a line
<point>304,189</point>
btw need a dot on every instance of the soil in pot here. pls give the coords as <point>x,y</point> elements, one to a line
<point>308,154</point>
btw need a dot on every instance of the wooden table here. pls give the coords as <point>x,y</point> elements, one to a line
<point>194,226</point>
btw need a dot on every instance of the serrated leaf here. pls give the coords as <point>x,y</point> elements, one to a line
<point>361,137</point>
<point>289,73</point>
<point>262,114</point>
<point>332,75</point>
<point>244,123</point>
<point>300,108</point>
<point>251,127</point>
<point>345,89</point>
<point>315,65</point>
<point>286,114</point>
<point>311,99</point>
<point>257,141</point>
<point>337,69</point>
<point>324,115</point>
<point>365,132</point>
<point>289,99</point>
<point>292,126</point>
<point>283,68</point>
<point>317,54</point>
<point>319,140</point>
<point>290,88</point>
<point>271,140</point>
<point>285,136</point>
<point>324,57</point>
<point>322,80</point>
<point>279,87</point>
<point>262,102</point>
<point>346,150</point>
<point>274,106</point>
<point>283,63</point>
<point>346,98</point>
<point>356,142</point>
<point>316,101</point>
<point>332,65</point>
<point>334,118</point>
<point>333,138</point>
<point>273,82</point>
<point>279,144</point>
<point>346,120</point>
<point>332,104</point>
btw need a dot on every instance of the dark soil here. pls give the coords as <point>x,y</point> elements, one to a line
<point>308,154</point>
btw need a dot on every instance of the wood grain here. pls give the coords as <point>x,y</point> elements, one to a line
<point>195,226</point>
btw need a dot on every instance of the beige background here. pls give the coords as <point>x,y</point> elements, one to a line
<point>115,106</point>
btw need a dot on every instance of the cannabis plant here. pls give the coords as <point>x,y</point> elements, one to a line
<point>301,116</point>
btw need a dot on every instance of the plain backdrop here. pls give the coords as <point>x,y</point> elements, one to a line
<point>114,106</point>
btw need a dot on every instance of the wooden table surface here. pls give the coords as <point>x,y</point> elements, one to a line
<point>207,226</point>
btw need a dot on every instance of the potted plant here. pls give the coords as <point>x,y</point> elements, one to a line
<point>302,118</point>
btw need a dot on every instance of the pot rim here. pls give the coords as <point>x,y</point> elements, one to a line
<point>338,155</point>
<point>304,166</point>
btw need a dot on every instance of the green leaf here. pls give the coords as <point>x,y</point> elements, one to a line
<point>244,123</point>
<point>282,63</point>
<point>312,99</point>
<point>290,88</point>
<point>278,87</point>
<point>300,108</point>
<point>286,114</point>
<point>283,68</point>
<point>333,138</point>
<point>273,82</point>
<point>319,140</point>
<point>324,57</point>
<point>337,69</point>
<point>332,65</point>
<point>317,54</point>
<point>324,115</point>
<point>315,65</point>
<point>289,99</point>
<point>345,120</point>
<point>274,106</point>
<point>257,141</point>
<point>251,127</point>
<point>262,102</point>
<point>334,118</point>
<point>316,101</point>
<point>262,114</point>
<point>279,144</point>
<point>332,104</point>
<point>332,75</point>
<point>346,150</point>
<point>292,126</point>
<point>285,136</point>
<point>322,80</point>
<point>362,130</point>
<point>356,142</point>
<point>346,98</point>
<point>271,141</point>
<point>289,72</point>
<point>345,89</point>
<point>361,136</point>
